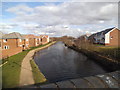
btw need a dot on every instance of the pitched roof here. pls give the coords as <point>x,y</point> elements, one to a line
<point>29,36</point>
<point>14,35</point>
<point>105,31</point>
<point>99,33</point>
<point>41,36</point>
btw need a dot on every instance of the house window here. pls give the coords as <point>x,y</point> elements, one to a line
<point>111,37</point>
<point>20,40</point>
<point>5,40</point>
<point>26,39</point>
<point>20,45</point>
<point>27,45</point>
<point>6,47</point>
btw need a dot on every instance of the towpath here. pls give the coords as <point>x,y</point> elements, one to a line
<point>26,76</point>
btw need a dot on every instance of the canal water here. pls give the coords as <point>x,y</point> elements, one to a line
<point>58,63</point>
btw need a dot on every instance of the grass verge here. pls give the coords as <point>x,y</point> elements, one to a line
<point>37,75</point>
<point>11,70</point>
<point>111,52</point>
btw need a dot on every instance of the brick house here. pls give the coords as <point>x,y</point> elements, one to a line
<point>38,41</point>
<point>81,40</point>
<point>112,38</point>
<point>25,42</point>
<point>33,40</point>
<point>44,39</point>
<point>11,44</point>
<point>109,37</point>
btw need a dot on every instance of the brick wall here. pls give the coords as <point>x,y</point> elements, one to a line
<point>13,47</point>
<point>10,52</point>
<point>44,40</point>
<point>31,42</point>
<point>115,38</point>
<point>25,43</point>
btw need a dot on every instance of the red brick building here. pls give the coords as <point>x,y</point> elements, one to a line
<point>33,40</point>
<point>112,38</point>
<point>108,37</point>
<point>25,42</point>
<point>44,39</point>
<point>11,44</point>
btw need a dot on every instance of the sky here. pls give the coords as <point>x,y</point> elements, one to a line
<point>58,18</point>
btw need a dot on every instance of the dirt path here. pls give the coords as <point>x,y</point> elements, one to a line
<point>26,76</point>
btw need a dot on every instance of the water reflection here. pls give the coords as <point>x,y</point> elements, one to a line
<point>60,63</point>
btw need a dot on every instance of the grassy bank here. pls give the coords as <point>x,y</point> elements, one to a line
<point>37,75</point>
<point>111,52</point>
<point>107,51</point>
<point>11,70</point>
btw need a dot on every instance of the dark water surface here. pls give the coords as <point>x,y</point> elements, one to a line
<point>58,62</point>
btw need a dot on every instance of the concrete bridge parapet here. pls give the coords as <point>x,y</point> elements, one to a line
<point>107,80</point>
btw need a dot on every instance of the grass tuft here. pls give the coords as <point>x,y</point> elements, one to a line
<point>37,75</point>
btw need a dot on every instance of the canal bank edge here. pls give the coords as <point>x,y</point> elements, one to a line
<point>110,64</point>
<point>37,75</point>
<point>26,69</point>
<point>35,68</point>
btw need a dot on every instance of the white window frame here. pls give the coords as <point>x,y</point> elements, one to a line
<point>20,40</point>
<point>20,45</point>
<point>6,47</point>
<point>26,39</point>
<point>4,40</point>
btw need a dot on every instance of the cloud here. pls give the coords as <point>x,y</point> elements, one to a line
<point>60,0</point>
<point>53,31</point>
<point>20,10</point>
<point>57,19</point>
<point>65,13</point>
<point>6,28</point>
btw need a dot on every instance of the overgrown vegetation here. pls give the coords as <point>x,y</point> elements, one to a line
<point>37,75</point>
<point>11,70</point>
<point>108,51</point>
<point>111,52</point>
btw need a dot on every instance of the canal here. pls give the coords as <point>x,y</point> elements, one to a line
<point>58,63</point>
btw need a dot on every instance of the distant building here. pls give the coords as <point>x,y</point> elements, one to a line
<point>31,40</point>
<point>109,37</point>
<point>25,42</point>
<point>81,40</point>
<point>13,43</point>
<point>44,39</point>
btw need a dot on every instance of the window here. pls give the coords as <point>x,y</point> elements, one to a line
<point>20,45</point>
<point>27,45</point>
<point>4,40</point>
<point>20,40</point>
<point>26,39</point>
<point>111,37</point>
<point>6,47</point>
